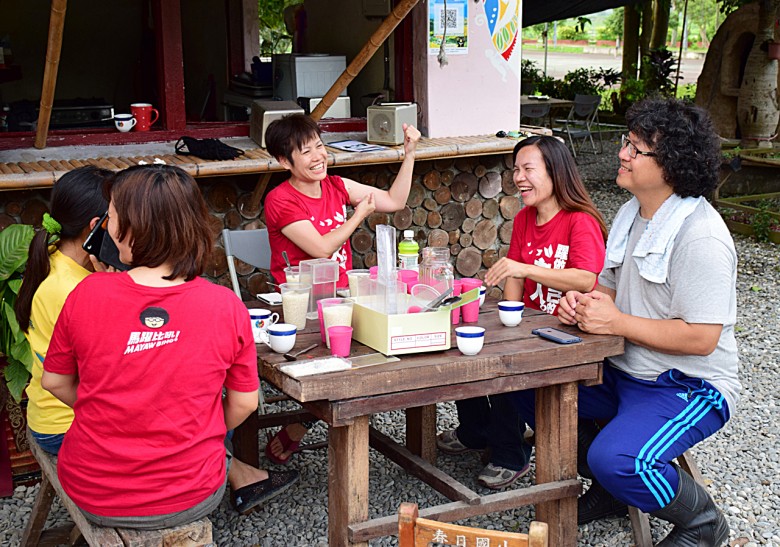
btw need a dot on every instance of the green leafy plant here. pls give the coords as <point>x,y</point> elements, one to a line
<point>763,221</point>
<point>659,66</point>
<point>630,92</point>
<point>14,243</point>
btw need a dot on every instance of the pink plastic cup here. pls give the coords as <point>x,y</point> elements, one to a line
<point>408,277</point>
<point>340,341</point>
<point>457,285</point>
<point>471,310</point>
<point>319,316</point>
<point>373,271</point>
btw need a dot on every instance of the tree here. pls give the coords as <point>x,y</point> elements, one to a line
<point>661,11</point>
<point>757,107</point>
<point>631,18</point>
<point>273,33</point>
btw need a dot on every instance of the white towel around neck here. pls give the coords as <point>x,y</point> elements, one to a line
<point>654,248</point>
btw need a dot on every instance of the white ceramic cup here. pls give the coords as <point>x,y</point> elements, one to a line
<point>124,122</point>
<point>510,312</point>
<point>482,292</point>
<point>470,339</point>
<point>261,319</point>
<point>281,337</point>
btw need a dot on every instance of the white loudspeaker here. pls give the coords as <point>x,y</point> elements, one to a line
<point>264,112</point>
<point>385,122</point>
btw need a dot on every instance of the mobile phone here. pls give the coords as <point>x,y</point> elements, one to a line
<point>100,244</point>
<point>557,335</point>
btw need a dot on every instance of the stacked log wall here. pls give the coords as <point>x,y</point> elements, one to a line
<point>467,204</point>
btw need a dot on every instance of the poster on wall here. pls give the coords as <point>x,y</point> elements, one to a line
<point>451,16</point>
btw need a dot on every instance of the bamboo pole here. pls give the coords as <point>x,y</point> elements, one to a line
<point>365,54</point>
<point>56,26</point>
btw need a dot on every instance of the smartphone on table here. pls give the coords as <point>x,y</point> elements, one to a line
<point>557,335</point>
<point>100,244</point>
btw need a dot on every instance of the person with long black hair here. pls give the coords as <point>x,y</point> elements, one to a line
<point>56,263</point>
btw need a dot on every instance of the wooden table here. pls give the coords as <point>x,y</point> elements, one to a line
<point>552,101</point>
<point>512,359</point>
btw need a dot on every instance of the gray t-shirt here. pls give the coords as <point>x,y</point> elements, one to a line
<point>700,287</point>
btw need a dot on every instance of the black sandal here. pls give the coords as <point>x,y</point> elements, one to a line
<point>247,498</point>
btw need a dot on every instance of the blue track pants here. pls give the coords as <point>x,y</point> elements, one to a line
<point>650,424</point>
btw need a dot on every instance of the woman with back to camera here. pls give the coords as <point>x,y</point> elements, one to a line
<point>557,245</point>
<point>56,263</point>
<point>142,357</point>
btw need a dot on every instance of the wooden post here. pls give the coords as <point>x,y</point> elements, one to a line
<point>556,457</point>
<point>365,54</point>
<point>170,63</point>
<point>347,480</point>
<point>53,49</point>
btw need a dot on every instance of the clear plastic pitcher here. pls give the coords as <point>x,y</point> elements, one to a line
<point>322,274</point>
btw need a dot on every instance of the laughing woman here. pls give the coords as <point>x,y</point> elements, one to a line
<point>557,246</point>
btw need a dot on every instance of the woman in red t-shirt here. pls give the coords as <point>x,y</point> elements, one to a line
<point>557,246</point>
<point>306,215</point>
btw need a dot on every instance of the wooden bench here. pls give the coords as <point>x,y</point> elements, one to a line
<point>640,522</point>
<point>189,535</point>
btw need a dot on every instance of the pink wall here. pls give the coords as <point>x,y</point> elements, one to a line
<point>477,93</point>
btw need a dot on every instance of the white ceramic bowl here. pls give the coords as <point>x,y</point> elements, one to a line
<point>510,312</point>
<point>470,339</point>
<point>482,292</point>
<point>281,337</point>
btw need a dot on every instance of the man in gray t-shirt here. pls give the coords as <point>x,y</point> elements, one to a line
<point>669,287</point>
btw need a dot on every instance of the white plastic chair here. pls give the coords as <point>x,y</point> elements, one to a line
<point>250,246</point>
<point>581,123</point>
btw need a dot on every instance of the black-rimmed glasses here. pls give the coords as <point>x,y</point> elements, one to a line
<point>633,151</point>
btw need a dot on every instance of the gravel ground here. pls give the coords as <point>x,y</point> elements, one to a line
<point>741,462</point>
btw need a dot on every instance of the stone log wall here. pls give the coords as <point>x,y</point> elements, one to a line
<point>466,204</point>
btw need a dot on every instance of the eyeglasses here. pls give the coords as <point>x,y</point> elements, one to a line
<point>633,151</point>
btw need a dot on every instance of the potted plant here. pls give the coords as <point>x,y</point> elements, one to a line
<point>14,348</point>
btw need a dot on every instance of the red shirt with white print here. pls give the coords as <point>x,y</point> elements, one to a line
<point>148,436</point>
<point>285,205</point>
<point>568,240</point>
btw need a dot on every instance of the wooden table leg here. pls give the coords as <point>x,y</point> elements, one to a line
<point>347,480</point>
<point>245,443</point>
<point>556,457</point>
<point>421,432</point>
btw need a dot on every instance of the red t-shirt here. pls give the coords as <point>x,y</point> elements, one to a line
<point>149,428</point>
<point>568,240</point>
<point>285,205</point>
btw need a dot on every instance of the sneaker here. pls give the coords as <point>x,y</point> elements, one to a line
<point>448,442</point>
<point>496,477</point>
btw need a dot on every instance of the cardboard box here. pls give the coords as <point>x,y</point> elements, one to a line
<point>264,112</point>
<point>401,333</point>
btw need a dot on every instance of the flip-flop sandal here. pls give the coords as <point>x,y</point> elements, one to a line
<point>288,445</point>
<point>249,498</point>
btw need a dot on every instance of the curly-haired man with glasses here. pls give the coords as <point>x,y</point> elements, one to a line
<point>669,287</point>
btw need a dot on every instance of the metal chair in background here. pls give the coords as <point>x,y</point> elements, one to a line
<point>581,124</point>
<point>535,112</point>
<point>414,531</point>
<point>250,246</point>
<point>253,247</point>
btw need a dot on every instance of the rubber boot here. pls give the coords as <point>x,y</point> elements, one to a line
<point>697,521</point>
<point>596,503</point>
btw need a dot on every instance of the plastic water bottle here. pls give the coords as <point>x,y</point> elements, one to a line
<point>408,252</point>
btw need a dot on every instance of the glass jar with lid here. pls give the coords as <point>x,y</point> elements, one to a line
<point>436,269</point>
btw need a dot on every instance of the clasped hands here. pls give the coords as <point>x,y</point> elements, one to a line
<point>594,312</point>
